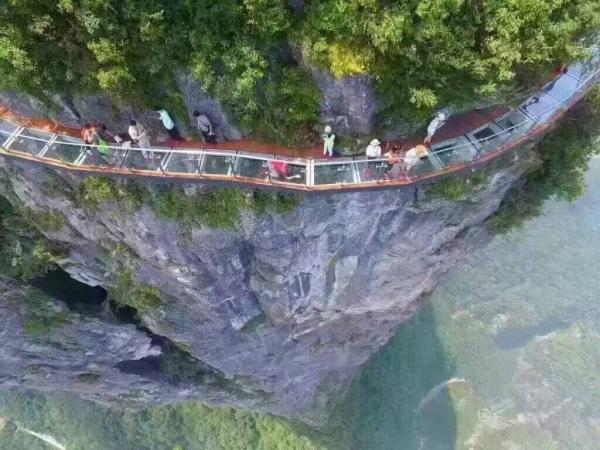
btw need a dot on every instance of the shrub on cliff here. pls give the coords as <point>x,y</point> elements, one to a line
<point>429,53</point>
<point>421,54</point>
<point>564,155</point>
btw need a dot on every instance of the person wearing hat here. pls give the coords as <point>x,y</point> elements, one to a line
<point>414,155</point>
<point>328,141</point>
<point>437,122</point>
<point>374,149</point>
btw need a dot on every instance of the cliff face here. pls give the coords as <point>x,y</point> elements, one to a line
<point>283,309</point>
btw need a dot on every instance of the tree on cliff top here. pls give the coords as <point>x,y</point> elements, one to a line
<point>422,54</point>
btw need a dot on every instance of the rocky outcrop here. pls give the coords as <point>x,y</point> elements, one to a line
<point>349,104</point>
<point>285,308</point>
<point>74,110</point>
<point>197,99</point>
<point>46,346</point>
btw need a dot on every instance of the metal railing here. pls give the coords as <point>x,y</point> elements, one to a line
<point>479,145</point>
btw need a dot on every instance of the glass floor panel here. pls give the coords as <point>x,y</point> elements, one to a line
<point>454,151</point>
<point>371,170</point>
<point>562,87</point>
<point>515,123</point>
<point>340,173</point>
<point>63,150</point>
<point>246,166</point>
<point>583,70</point>
<point>184,162</point>
<point>423,167</point>
<point>31,141</point>
<point>217,164</point>
<point>488,138</point>
<point>541,106</point>
<point>6,129</point>
<point>144,159</point>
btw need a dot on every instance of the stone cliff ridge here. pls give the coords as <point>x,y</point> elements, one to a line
<point>281,310</point>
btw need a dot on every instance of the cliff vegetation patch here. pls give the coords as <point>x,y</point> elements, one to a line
<point>245,52</point>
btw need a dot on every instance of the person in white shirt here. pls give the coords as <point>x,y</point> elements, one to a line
<point>328,142</point>
<point>205,127</point>
<point>374,149</point>
<point>414,155</point>
<point>437,122</point>
<point>139,136</point>
<point>168,123</point>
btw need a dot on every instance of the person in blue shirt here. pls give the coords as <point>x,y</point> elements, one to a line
<point>168,123</point>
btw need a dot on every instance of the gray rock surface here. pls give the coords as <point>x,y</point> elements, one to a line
<point>285,307</point>
<point>46,346</point>
<point>100,108</point>
<point>196,98</point>
<point>349,104</point>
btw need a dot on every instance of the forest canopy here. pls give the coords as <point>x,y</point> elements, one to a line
<point>421,53</point>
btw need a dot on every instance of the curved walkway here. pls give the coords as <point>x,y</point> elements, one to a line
<point>466,141</point>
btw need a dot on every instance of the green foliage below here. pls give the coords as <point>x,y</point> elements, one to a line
<point>45,220</point>
<point>142,297</point>
<point>459,187</point>
<point>189,426</point>
<point>219,208</point>
<point>40,316</point>
<point>564,154</point>
<point>24,252</point>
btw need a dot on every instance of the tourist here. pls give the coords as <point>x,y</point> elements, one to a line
<point>86,134</point>
<point>437,122</point>
<point>414,155</point>
<point>104,137</point>
<point>328,141</point>
<point>374,149</point>
<point>139,136</point>
<point>205,127</point>
<point>394,157</point>
<point>281,169</point>
<point>168,123</point>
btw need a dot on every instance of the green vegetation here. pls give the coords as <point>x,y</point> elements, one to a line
<point>459,187</point>
<point>421,54</point>
<point>41,317</point>
<point>95,191</point>
<point>429,53</point>
<point>237,49</point>
<point>564,154</point>
<point>24,252</point>
<point>45,220</point>
<point>218,208</point>
<point>126,291</point>
<point>190,426</point>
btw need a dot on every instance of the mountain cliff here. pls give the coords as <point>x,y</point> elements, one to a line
<point>276,310</point>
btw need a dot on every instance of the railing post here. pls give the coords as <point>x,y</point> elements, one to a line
<point>48,145</point>
<point>13,136</point>
<point>310,172</point>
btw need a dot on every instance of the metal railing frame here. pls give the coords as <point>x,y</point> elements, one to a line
<point>233,158</point>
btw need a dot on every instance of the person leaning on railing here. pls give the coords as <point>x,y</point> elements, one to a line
<point>281,169</point>
<point>394,160</point>
<point>139,135</point>
<point>104,139</point>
